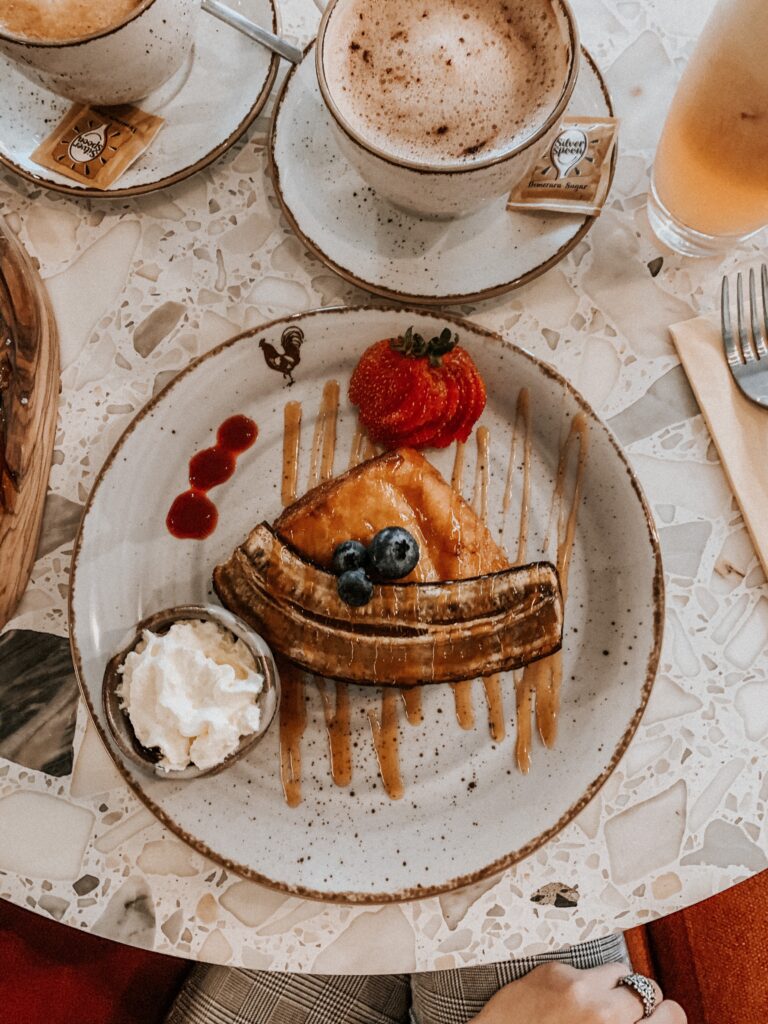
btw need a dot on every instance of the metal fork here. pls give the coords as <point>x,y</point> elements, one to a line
<point>747,351</point>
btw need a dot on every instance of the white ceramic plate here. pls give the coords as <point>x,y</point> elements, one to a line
<point>398,255</point>
<point>207,106</point>
<point>467,812</point>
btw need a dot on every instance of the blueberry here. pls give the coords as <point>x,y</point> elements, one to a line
<point>350,554</point>
<point>354,587</point>
<point>393,553</point>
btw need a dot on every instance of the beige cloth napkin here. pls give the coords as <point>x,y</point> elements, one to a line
<point>738,427</point>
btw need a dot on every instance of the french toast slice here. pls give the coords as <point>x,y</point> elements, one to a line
<point>399,488</point>
<point>463,611</point>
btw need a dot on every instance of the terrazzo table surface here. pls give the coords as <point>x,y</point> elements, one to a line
<point>141,287</point>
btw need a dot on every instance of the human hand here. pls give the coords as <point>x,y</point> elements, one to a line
<point>556,993</point>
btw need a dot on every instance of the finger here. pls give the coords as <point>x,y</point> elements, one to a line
<point>669,1012</point>
<point>607,976</point>
<point>628,1003</point>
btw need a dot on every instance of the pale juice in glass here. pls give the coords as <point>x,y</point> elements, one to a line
<point>711,168</point>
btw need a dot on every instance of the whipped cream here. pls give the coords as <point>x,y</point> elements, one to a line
<point>191,692</point>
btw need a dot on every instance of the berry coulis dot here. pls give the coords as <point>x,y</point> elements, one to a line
<point>193,516</point>
<point>237,434</point>
<point>211,467</point>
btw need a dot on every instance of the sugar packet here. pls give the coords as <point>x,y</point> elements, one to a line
<point>95,145</point>
<point>574,174</point>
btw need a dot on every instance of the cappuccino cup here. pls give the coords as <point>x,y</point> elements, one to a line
<point>105,53</point>
<point>443,105</point>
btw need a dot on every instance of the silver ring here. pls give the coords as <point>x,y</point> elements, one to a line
<point>644,988</point>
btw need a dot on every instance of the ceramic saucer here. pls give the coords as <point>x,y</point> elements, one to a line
<point>385,250</point>
<point>207,106</point>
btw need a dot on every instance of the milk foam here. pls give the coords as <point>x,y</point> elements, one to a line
<point>445,81</point>
<point>59,20</point>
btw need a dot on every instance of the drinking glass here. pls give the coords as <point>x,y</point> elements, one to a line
<point>709,187</point>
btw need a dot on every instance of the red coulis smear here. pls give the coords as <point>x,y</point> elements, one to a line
<point>193,516</point>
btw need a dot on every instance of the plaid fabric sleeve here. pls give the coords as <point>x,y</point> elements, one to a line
<point>455,997</point>
<point>233,995</point>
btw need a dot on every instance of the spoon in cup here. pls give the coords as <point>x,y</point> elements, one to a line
<point>249,28</point>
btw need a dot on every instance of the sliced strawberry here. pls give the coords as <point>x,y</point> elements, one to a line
<point>474,392</point>
<point>447,433</point>
<point>424,400</point>
<point>377,381</point>
<point>417,392</point>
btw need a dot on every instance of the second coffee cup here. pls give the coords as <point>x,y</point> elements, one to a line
<point>443,105</point>
<point>116,51</point>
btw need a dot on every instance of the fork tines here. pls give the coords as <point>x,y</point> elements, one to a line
<point>749,343</point>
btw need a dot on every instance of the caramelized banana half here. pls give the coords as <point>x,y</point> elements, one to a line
<point>408,634</point>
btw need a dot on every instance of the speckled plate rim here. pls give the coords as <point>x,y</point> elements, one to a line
<point>428,300</point>
<point>170,179</point>
<point>513,857</point>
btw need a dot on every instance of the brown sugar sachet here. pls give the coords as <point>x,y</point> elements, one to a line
<point>95,145</point>
<point>574,174</point>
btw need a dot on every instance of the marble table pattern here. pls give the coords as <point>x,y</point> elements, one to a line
<point>142,286</point>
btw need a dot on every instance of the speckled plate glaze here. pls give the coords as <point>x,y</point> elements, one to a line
<point>207,106</point>
<point>467,811</point>
<point>399,255</point>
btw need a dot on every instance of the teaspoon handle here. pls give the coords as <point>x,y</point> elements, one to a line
<point>249,28</point>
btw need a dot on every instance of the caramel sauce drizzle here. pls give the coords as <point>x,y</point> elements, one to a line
<point>291,438</point>
<point>523,710</point>
<point>523,686</point>
<point>414,712</point>
<point>293,722</point>
<point>494,698</point>
<point>545,677</point>
<point>336,713</point>
<point>482,474</point>
<point>522,427</point>
<point>462,692</point>
<point>339,732</point>
<point>293,708</point>
<point>458,467</point>
<point>324,438</point>
<point>385,733</point>
<point>356,450</point>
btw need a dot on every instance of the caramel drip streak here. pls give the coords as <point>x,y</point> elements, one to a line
<point>324,439</point>
<point>491,684</point>
<point>412,701</point>
<point>457,476</point>
<point>338,727</point>
<point>482,472</point>
<point>465,711</point>
<point>522,430</point>
<point>293,722</point>
<point>523,683</point>
<point>523,696</point>
<point>291,439</point>
<point>384,731</point>
<point>547,675</point>
<point>495,701</point>
<point>356,450</point>
<point>321,468</point>
<point>462,692</point>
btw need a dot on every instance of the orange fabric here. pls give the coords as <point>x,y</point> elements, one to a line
<point>713,957</point>
<point>639,949</point>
